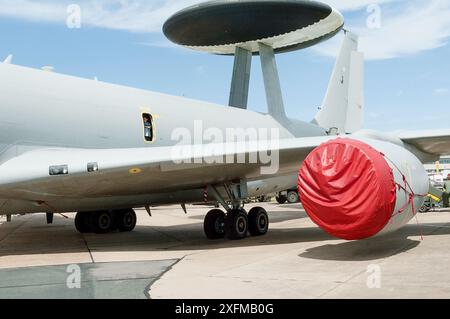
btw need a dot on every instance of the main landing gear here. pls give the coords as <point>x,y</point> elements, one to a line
<point>236,224</point>
<point>103,222</point>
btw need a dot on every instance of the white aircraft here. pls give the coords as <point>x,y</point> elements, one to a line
<point>75,145</point>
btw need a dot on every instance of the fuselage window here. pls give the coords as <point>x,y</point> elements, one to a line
<point>148,127</point>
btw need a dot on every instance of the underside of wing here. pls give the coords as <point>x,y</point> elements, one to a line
<point>436,142</point>
<point>48,174</point>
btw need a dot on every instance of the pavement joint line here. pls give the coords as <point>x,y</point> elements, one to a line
<point>399,251</point>
<point>262,258</point>
<point>82,281</point>
<point>89,250</point>
<point>274,279</point>
<point>340,284</point>
<point>3,205</point>
<point>178,244</point>
<point>148,288</point>
<point>435,230</point>
<point>165,234</point>
<point>447,225</point>
<point>380,261</point>
<point>23,222</point>
<point>290,288</point>
<point>196,252</point>
<point>137,243</point>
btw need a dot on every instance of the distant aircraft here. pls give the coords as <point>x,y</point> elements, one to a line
<point>75,145</point>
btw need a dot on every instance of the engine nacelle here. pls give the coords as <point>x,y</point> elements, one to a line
<point>358,188</point>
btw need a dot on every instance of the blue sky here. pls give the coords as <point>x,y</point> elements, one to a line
<point>407,67</point>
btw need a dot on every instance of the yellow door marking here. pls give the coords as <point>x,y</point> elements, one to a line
<point>135,171</point>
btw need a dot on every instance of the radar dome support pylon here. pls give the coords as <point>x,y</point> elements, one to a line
<point>244,28</point>
<point>240,81</point>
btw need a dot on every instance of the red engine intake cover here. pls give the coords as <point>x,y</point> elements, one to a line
<point>348,189</point>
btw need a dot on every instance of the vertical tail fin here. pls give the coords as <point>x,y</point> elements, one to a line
<point>355,107</point>
<point>343,107</point>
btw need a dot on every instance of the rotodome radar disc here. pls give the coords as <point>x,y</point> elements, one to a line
<point>220,26</point>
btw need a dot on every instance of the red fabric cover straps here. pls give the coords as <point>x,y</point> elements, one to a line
<point>348,189</point>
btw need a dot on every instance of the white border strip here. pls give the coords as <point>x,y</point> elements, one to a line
<point>326,26</point>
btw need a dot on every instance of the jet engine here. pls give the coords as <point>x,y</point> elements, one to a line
<point>359,188</point>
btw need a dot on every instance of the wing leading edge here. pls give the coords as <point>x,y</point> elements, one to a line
<point>124,172</point>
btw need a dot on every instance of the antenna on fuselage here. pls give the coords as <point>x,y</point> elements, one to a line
<point>48,68</point>
<point>8,59</point>
<point>253,27</point>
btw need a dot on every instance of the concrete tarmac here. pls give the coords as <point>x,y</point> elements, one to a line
<point>167,256</point>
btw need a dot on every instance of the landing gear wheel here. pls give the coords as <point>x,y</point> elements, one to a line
<point>258,221</point>
<point>293,197</point>
<point>424,209</point>
<point>214,224</point>
<point>236,224</point>
<point>281,199</point>
<point>82,223</point>
<point>102,222</point>
<point>126,220</point>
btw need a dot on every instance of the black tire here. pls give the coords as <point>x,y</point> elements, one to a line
<point>281,199</point>
<point>82,223</point>
<point>258,221</point>
<point>126,220</point>
<point>424,209</point>
<point>102,222</point>
<point>293,197</point>
<point>214,224</point>
<point>236,224</point>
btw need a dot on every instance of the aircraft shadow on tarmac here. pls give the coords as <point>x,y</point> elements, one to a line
<point>42,239</point>
<point>379,247</point>
<point>278,217</point>
<point>367,250</point>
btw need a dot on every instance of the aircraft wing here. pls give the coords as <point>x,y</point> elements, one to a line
<point>435,142</point>
<point>123,172</point>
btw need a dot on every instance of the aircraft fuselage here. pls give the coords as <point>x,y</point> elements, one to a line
<point>41,109</point>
